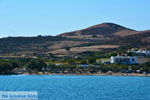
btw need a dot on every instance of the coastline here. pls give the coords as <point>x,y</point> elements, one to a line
<point>95,74</point>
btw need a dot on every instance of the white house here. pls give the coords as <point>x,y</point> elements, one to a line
<point>124,60</point>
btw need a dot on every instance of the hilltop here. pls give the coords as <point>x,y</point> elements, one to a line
<point>100,30</point>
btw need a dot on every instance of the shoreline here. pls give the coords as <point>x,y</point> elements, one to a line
<point>96,74</point>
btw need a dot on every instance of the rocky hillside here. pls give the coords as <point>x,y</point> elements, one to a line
<point>100,31</point>
<point>95,38</point>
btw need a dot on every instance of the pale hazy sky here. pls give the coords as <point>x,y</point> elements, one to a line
<point>52,17</point>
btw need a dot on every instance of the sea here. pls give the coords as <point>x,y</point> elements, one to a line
<point>73,87</point>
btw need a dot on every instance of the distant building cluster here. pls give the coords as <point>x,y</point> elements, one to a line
<point>141,52</point>
<point>124,59</point>
<point>130,59</point>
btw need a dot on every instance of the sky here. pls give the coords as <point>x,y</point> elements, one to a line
<point>52,17</point>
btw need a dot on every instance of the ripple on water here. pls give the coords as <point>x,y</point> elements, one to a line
<point>57,87</point>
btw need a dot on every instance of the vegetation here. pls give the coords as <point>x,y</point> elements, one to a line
<point>42,52</point>
<point>7,65</point>
<point>12,44</point>
<point>37,64</point>
<point>71,66</point>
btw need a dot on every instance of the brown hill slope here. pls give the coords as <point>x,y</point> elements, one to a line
<point>100,30</point>
<point>102,37</point>
<point>140,40</point>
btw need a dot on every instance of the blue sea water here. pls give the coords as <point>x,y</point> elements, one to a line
<point>55,87</point>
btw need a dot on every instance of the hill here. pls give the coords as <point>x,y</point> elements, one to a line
<point>100,31</point>
<point>101,37</point>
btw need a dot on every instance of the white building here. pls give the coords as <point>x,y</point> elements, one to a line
<point>140,52</point>
<point>146,52</point>
<point>124,60</point>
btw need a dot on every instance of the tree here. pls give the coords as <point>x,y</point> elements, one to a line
<point>68,50</point>
<point>52,66</point>
<point>112,54</point>
<point>6,66</point>
<point>147,64</point>
<point>83,62</point>
<point>36,64</point>
<point>91,60</point>
<point>14,63</point>
<point>146,69</point>
<point>94,36</point>
<point>130,53</point>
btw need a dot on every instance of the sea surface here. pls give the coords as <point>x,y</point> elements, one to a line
<point>55,87</point>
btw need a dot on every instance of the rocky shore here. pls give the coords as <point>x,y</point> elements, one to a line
<point>90,74</point>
